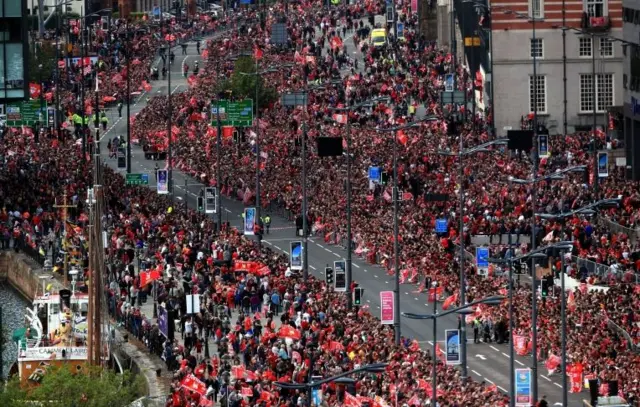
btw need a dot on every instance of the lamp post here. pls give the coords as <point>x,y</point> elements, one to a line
<point>482,148</point>
<point>257,75</point>
<point>169,107</point>
<point>128,56</point>
<point>585,210</point>
<point>464,310</point>
<point>534,295</point>
<point>347,110</point>
<point>310,385</point>
<point>539,253</point>
<point>396,244</point>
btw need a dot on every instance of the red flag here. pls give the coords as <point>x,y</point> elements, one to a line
<point>449,301</point>
<point>351,401</point>
<point>402,138</point>
<point>335,346</point>
<point>552,363</point>
<point>247,392</point>
<point>34,90</point>
<point>257,53</point>
<point>205,402</point>
<point>194,384</point>
<point>571,302</point>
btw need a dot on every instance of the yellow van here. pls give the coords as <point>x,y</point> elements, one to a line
<point>378,37</point>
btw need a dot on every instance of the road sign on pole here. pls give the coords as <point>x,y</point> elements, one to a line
<point>137,179</point>
<point>210,200</point>
<point>339,268</point>
<point>236,114</point>
<point>24,113</point>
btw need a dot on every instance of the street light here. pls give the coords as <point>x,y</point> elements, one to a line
<point>481,148</point>
<point>257,74</point>
<point>536,254</point>
<point>340,378</point>
<point>396,244</point>
<point>534,296</point>
<point>348,109</point>
<point>464,310</point>
<point>588,209</point>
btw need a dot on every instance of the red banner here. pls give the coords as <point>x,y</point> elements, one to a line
<point>247,392</point>
<point>34,90</point>
<point>248,266</point>
<point>194,384</point>
<point>552,363</point>
<point>574,371</point>
<point>520,344</point>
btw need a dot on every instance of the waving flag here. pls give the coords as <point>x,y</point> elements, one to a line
<point>194,384</point>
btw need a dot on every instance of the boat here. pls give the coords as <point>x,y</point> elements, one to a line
<point>55,334</point>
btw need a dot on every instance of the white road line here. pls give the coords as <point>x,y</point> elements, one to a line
<point>518,362</point>
<point>488,380</point>
<point>312,267</point>
<point>277,248</point>
<point>387,282</point>
<point>545,377</point>
<point>336,254</point>
<point>494,348</point>
<point>227,210</point>
<point>374,275</point>
<point>505,354</point>
<point>502,388</point>
<point>559,385</point>
<point>415,298</point>
<point>476,373</point>
<point>267,242</point>
<point>406,293</point>
<point>328,250</point>
<point>368,300</point>
<point>355,265</point>
<point>174,91</point>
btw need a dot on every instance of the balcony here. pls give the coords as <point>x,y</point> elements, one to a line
<point>595,24</point>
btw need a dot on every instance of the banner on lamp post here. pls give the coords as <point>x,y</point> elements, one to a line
<point>295,255</point>
<point>453,346</point>
<point>387,307</point>
<point>524,393</point>
<point>163,182</point>
<point>249,221</point>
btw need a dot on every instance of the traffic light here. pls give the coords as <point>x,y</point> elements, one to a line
<point>357,294</point>
<point>328,276</point>
<point>547,285</point>
<point>200,204</point>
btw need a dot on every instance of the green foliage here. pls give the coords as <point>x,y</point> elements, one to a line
<point>44,55</point>
<point>244,86</point>
<point>60,387</point>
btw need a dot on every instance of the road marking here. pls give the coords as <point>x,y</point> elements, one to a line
<point>481,357</point>
<point>278,248</point>
<point>502,388</point>
<point>179,197</point>
<point>387,282</point>
<point>488,380</point>
<point>329,250</point>
<point>368,300</point>
<point>227,210</point>
<point>356,266</point>
<point>518,362</point>
<point>374,275</point>
<point>313,267</point>
<point>267,242</point>
<point>506,355</point>
<point>559,385</point>
<point>366,271</point>
<point>494,348</point>
<point>415,298</point>
<point>476,373</point>
<point>406,293</point>
<point>545,377</point>
<point>337,255</point>
<point>174,91</point>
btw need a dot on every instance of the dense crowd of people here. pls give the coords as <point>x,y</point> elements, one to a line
<point>308,330</point>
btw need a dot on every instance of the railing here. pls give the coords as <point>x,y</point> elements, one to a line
<point>33,253</point>
<point>618,228</point>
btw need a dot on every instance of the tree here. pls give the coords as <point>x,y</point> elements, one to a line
<point>45,55</point>
<point>60,387</point>
<point>244,86</point>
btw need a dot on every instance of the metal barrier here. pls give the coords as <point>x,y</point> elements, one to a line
<point>34,254</point>
<point>593,268</point>
<point>615,227</point>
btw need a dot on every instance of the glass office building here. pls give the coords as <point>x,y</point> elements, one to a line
<point>14,51</point>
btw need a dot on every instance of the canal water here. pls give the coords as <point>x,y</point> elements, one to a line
<point>13,309</point>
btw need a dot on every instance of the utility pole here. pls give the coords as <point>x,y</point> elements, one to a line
<point>258,212</point>
<point>128,56</point>
<point>534,197</point>
<point>96,263</point>
<point>64,208</point>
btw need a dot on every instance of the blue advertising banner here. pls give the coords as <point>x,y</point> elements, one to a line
<point>316,397</point>
<point>482,257</point>
<point>524,397</point>
<point>374,174</point>
<point>163,182</point>
<point>400,28</point>
<point>442,226</point>
<point>163,321</point>
<point>453,346</point>
<point>448,82</point>
<point>603,165</point>
<point>543,145</point>
<point>295,255</point>
<point>249,221</point>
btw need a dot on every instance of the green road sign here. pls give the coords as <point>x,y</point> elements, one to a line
<point>25,113</point>
<point>237,114</point>
<point>137,179</point>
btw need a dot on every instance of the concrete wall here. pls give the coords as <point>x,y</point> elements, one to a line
<point>22,273</point>
<point>513,66</point>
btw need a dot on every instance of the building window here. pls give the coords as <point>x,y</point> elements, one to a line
<point>595,8</point>
<point>585,47</point>
<point>604,86</point>
<point>606,47</point>
<point>536,48</point>
<point>536,8</point>
<point>538,94</point>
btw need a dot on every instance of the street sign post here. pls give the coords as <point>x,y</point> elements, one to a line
<point>339,268</point>
<point>210,200</point>
<point>137,179</point>
<point>236,114</point>
<point>25,113</point>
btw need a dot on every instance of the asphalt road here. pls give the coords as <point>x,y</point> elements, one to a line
<point>486,362</point>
